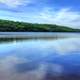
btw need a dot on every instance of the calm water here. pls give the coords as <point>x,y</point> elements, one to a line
<point>56,58</point>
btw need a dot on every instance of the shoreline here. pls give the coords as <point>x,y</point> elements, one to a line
<point>37,34</point>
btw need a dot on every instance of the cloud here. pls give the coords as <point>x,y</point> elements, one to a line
<point>14,3</point>
<point>63,16</point>
<point>37,13</point>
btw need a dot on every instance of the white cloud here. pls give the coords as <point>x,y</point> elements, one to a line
<point>14,3</point>
<point>62,17</point>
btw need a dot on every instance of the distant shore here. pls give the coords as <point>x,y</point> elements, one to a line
<point>37,34</point>
<point>7,25</point>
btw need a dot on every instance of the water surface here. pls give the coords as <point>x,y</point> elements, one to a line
<point>40,58</point>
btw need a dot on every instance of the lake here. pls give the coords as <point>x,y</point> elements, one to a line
<point>39,56</point>
<point>38,34</point>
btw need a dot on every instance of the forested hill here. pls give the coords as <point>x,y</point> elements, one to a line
<point>12,26</point>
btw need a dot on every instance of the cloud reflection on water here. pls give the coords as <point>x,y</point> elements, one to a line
<point>40,59</point>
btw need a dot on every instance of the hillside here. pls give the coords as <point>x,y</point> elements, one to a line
<point>12,26</point>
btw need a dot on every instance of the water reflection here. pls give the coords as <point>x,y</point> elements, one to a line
<point>40,59</point>
<point>17,39</point>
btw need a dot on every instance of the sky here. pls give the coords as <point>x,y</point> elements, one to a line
<point>60,12</point>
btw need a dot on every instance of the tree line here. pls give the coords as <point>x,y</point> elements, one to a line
<point>14,26</point>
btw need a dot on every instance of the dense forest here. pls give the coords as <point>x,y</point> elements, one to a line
<point>12,26</point>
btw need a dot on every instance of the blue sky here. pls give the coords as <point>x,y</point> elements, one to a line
<point>61,12</point>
